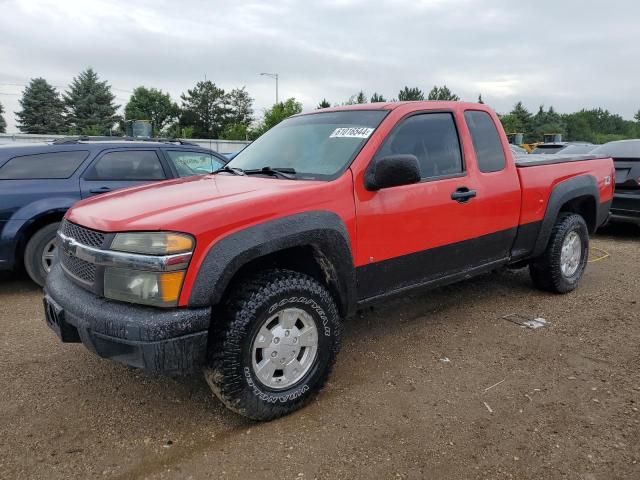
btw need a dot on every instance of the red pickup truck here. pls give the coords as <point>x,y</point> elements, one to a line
<point>249,272</point>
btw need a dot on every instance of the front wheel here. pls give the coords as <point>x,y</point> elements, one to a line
<point>40,253</point>
<point>560,267</point>
<point>274,346</point>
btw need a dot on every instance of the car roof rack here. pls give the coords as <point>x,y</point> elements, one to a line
<point>175,140</point>
<point>84,138</point>
<point>65,140</point>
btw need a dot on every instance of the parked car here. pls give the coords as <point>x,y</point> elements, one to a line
<point>577,149</point>
<point>518,151</point>
<point>38,183</point>
<point>573,148</point>
<point>325,213</point>
<point>626,199</point>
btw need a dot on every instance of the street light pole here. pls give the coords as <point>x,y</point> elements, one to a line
<point>274,76</point>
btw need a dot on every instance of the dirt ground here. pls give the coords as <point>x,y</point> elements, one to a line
<point>431,385</point>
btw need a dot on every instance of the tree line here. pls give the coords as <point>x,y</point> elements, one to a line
<point>88,107</point>
<point>589,125</point>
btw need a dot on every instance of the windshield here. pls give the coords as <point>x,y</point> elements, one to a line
<point>319,146</point>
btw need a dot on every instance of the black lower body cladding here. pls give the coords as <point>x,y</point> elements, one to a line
<point>159,340</point>
<point>323,229</point>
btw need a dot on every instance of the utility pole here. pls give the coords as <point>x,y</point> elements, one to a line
<point>275,77</point>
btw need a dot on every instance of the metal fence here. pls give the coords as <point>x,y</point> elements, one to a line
<point>221,146</point>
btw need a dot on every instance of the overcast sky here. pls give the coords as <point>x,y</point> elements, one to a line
<point>569,54</point>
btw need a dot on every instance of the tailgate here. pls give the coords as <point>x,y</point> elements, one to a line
<point>627,172</point>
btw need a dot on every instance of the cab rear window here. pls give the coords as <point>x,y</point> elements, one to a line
<point>486,141</point>
<point>43,166</point>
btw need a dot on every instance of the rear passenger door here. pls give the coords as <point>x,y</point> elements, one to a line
<point>121,168</point>
<point>497,186</point>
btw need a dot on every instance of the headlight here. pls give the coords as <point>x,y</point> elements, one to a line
<point>156,283</point>
<point>160,289</point>
<point>152,243</point>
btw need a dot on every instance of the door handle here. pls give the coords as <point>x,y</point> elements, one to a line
<point>463,195</point>
<point>100,190</point>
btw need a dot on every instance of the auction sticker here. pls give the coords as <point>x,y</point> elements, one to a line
<point>351,132</point>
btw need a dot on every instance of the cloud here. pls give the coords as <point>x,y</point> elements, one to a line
<point>569,54</point>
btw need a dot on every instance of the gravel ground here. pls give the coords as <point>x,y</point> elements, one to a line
<point>430,385</point>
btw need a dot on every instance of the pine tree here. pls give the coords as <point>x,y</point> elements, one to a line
<point>3,123</point>
<point>356,99</point>
<point>42,109</point>
<point>89,104</point>
<point>637,116</point>
<point>442,93</point>
<point>480,99</point>
<point>204,108</point>
<point>377,98</point>
<point>546,122</point>
<point>323,104</point>
<point>240,106</point>
<point>407,94</point>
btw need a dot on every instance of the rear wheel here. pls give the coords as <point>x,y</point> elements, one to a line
<point>275,345</point>
<point>561,266</point>
<point>40,253</point>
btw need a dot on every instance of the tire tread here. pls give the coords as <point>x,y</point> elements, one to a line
<point>227,336</point>
<point>545,270</point>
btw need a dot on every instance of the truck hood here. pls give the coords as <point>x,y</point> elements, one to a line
<point>182,204</point>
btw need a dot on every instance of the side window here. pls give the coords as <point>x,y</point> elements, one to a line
<point>43,165</point>
<point>486,141</point>
<point>194,163</point>
<point>432,138</point>
<point>127,165</point>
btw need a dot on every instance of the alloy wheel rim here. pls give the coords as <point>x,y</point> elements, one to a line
<point>571,254</point>
<point>48,254</point>
<point>284,348</point>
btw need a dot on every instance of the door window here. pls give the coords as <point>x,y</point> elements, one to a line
<point>433,139</point>
<point>127,165</point>
<point>194,163</point>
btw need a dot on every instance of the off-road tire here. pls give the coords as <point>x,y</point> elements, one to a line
<point>545,271</point>
<point>229,370</point>
<point>34,250</point>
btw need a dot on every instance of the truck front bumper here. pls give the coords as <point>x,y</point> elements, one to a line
<point>160,340</point>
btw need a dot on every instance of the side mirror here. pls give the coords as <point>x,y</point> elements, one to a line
<point>392,171</point>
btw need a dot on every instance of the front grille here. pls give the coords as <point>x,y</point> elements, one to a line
<point>85,236</point>
<point>79,268</point>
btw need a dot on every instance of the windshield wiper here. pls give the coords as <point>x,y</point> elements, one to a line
<point>284,172</point>
<point>228,169</point>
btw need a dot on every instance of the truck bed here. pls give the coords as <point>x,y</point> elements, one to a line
<point>541,174</point>
<point>547,159</point>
